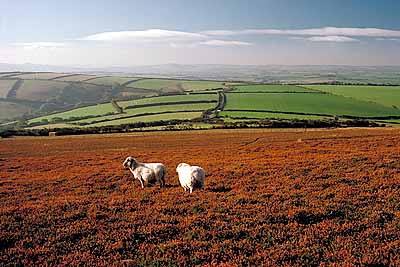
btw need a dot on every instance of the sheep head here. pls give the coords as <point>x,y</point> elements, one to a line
<point>130,162</point>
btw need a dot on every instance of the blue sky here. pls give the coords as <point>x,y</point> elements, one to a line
<point>122,32</point>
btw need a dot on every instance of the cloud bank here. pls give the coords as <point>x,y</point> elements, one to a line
<point>145,35</point>
<point>326,31</point>
<point>221,38</point>
<point>333,38</point>
<point>40,45</point>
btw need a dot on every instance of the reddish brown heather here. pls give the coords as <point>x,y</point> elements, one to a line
<point>328,198</point>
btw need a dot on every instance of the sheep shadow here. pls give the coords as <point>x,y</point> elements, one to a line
<point>171,186</point>
<point>220,189</point>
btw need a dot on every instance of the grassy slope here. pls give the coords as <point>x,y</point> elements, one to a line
<point>9,110</point>
<point>265,115</point>
<point>150,118</point>
<point>95,110</point>
<point>112,80</point>
<point>166,99</point>
<point>186,85</point>
<point>5,86</point>
<point>154,109</point>
<point>384,95</point>
<point>271,88</point>
<point>307,103</point>
<point>39,90</point>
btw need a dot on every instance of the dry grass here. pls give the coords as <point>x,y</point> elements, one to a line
<point>271,198</point>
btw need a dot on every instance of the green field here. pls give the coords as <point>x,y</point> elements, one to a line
<point>384,95</point>
<point>135,94</point>
<point>5,86</point>
<point>175,85</point>
<point>307,103</point>
<point>152,109</point>
<point>96,110</point>
<point>166,99</point>
<point>111,80</point>
<point>267,115</point>
<point>267,88</point>
<point>150,118</point>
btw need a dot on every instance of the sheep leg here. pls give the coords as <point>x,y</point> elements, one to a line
<point>141,181</point>
<point>191,190</point>
<point>162,182</point>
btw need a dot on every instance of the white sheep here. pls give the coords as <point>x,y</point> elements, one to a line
<point>190,177</point>
<point>146,172</point>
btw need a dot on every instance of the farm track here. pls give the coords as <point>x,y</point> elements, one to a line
<point>287,198</point>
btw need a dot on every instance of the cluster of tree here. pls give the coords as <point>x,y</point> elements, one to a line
<point>333,123</point>
<point>92,130</point>
<point>354,83</point>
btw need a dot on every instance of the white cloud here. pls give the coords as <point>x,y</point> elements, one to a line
<point>327,31</point>
<point>40,45</point>
<point>224,43</point>
<point>145,35</point>
<point>333,38</point>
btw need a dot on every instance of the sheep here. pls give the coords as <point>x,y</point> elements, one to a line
<point>146,172</point>
<point>190,177</point>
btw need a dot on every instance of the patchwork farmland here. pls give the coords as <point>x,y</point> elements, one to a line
<point>49,100</point>
<point>72,96</point>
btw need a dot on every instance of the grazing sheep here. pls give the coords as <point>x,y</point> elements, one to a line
<point>190,177</point>
<point>146,172</point>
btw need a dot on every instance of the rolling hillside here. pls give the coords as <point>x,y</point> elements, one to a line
<point>82,100</point>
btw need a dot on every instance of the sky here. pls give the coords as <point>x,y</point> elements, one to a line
<point>105,33</point>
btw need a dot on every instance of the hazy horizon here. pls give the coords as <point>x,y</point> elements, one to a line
<point>263,33</point>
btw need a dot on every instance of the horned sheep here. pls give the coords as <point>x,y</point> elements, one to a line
<point>146,172</point>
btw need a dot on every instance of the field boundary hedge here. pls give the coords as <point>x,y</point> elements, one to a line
<point>276,92</point>
<point>316,114</point>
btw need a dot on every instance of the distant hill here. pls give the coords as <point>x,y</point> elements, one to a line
<point>253,73</point>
